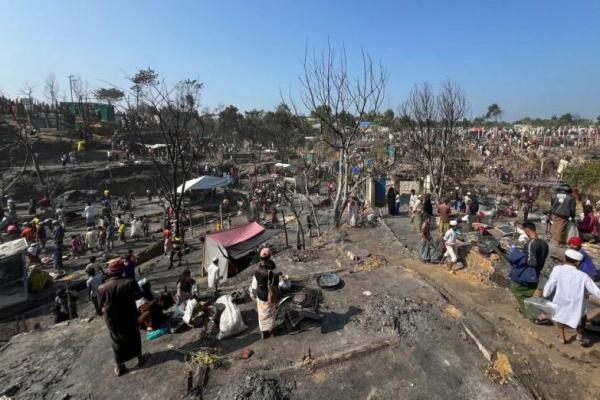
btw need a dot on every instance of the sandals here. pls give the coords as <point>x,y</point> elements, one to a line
<point>538,321</point>
<point>583,341</point>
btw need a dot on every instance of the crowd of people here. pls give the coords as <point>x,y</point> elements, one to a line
<point>570,280</point>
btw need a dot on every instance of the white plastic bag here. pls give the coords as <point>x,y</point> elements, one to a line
<point>231,322</point>
<point>572,230</point>
<point>189,310</point>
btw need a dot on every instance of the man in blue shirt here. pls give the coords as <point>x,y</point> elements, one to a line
<point>587,265</point>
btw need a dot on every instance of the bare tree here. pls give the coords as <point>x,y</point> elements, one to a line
<point>431,130</point>
<point>173,112</point>
<point>341,103</point>
<point>24,134</point>
<point>83,92</point>
<point>452,108</point>
<point>52,92</point>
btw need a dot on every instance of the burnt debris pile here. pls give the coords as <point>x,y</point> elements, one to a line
<point>259,386</point>
<point>409,318</point>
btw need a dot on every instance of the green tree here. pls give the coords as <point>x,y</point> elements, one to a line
<point>566,119</point>
<point>109,95</point>
<point>493,111</point>
<point>230,122</point>
<point>386,118</point>
<point>585,176</point>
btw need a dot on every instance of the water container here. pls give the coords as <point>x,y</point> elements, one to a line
<point>534,306</point>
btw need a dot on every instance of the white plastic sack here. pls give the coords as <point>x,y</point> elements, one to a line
<point>572,230</point>
<point>231,322</point>
<point>189,310</point>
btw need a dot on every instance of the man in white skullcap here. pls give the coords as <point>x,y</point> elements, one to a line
<point>213,274</point>
<point>450,243</point>
<point>569,285</point>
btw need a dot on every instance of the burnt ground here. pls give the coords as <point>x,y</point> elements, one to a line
<point>400,341</point>
<point>546,368</point>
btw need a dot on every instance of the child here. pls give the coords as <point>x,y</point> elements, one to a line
<point>75,245</point>
<point>94,281</point>
<point>121,231</point>
<point>91,239</point>
<point>101,238</point>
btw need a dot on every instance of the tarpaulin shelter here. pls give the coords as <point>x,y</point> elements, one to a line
<point>13,273</point>
<point>234,244</point>
<point>205,182</point>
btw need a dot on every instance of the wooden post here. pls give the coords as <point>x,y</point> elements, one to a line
<point>284,228</point>
<point>221,215</point>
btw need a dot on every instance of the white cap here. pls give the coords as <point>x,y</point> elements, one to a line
<point>468,193</point>
<point>453,223</point>
<point>573,255</point>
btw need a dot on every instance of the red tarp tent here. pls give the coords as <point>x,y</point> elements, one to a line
<point>233,244</point>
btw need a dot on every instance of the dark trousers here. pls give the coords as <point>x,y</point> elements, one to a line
<point>58,262</point>
<point>96,304</point>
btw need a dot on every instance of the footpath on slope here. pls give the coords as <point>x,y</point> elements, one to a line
<point>547,368</point>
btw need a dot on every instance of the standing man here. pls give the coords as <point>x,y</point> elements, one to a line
<point>89,212</point>
<point>117,298</point>
<point>569,285</point>
<point>58,233</point>
<point>444,211</point>
<point>213,274</point>
<point>525,275</point>
<point>450,243</point>
<point>562,207</point>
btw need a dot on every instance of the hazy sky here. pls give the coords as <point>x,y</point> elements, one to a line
<point>532,57</point>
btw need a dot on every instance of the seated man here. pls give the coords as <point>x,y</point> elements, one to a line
<point>587,264</point>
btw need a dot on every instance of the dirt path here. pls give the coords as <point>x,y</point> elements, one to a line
<point>491,310</point>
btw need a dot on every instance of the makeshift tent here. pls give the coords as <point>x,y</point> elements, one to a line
<point>234,244</point>
<point>205,182</point>
<point>13,273</point>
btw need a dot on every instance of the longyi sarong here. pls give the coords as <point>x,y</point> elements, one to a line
<point>558,230</point>
<point>266,315</point>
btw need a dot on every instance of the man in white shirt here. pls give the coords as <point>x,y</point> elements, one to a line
<point>213,274</point>
<point>570,284</point>
<point>450,243</point>
<point>89,212</point>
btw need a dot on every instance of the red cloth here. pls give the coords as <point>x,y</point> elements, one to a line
<point>27,233</point>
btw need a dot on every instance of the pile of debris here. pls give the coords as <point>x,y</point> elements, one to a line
<point>373,262</point>
<point>479,267</point>
<point>259,386</point>
<point>500,370</point>
<point>409,318</point>
<point>305,255</point>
